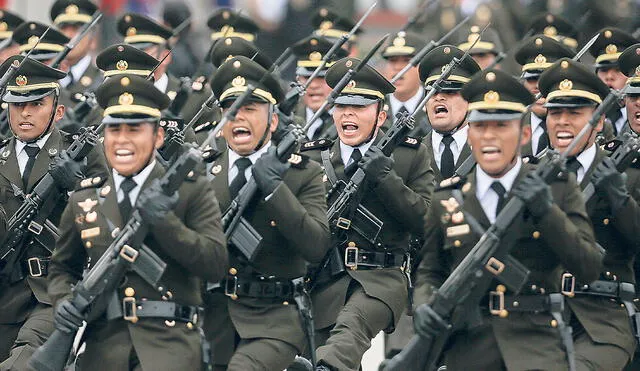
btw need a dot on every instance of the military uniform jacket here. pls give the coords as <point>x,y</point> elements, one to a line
<point>562,238</point>
<point>400,201</point>
<point>464,153</point>
<point>326,131</point>
<point>604,320</point>
<point>422,125</point>
<point>17,298</point>
<point>72,94</point>
<point>294,230</point>
<point>189,240</point>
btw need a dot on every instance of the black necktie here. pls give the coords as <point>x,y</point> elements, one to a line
<point>498,188</point>
<point>573,165</point>
<point>32,151</point>
<point>242,164</point>
<point>125,204</point>
<point>446,159</point>
<point>353,163</point>
<point>614,115</point>
<point>543,141</point>
<point>401,111</point>
<point>325,117</point>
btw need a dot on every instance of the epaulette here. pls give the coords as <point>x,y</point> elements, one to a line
<point>530,159</point>
<point>206,126</point>
<point>411,142</point>
<point>316,144</point>
<point>298,161</point>
<point>210,154</point>
<point>451,183</point>
<point>611,145</point>
<point>94,182</point>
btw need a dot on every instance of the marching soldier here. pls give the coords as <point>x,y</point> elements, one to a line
<point>557,28</point>
<point>535,55</point>
<point>367,292</point>
<point>447,110</point>
<point>141,327</point>
<point>10,21</point>
<point>505,331</point>
<point>606,50</point>
<point>35,147</point>
<point>409,91</point>
<point>329,24</point>
<point>601,327</point>
<point>256,326</point>
<point>69,16</point>
<point>310,52</point>
<point>486,50</point>
<point>27,34</point>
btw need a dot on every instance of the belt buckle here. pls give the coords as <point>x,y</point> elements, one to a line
<point>129,254</point>
<point>351,257</point>
<point>35,228</point>
<point>34,263</point>
<point>231,292</point>
<point>343,223</point>
<point>568,285</point>
<point>496,308</point>
<point>129,309</point>
<point>494,266</point>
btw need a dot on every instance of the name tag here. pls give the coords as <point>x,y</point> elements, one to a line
<point>91,232</point>
<point>458,230</point>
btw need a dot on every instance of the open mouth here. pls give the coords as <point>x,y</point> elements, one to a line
<point>349,128</point>
<point>637,116</point>
<point>25,125</point>
<point>490,152</point>
<point>441,110</point>
<point>124,154</point>
<point>564,138</point>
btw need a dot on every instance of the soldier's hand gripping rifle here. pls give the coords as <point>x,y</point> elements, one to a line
<point>469,281</point>
<point>426,49</point>
<point>32,214</point>
<point>84,31</point>
<point>291,99</point>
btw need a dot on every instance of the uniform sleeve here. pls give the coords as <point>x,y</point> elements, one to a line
<point>68,259</point>
<point>627,218</point>
<point>567,229</point>
<point>198,243</point>
<point>302,218</point>
<point>408,202</point>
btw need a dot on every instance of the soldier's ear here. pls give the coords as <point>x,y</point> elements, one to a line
<point>59,113</point>
<point>382,117</point>
<point>158,137</point>
<point>525,134</point>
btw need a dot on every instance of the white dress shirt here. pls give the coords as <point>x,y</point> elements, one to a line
<point>410,104</point>
<point>140,178</point>
<point>22,155</point>
<point>233,169</point>
<point>316,124</point>
<point>486,195</point>
<point>459,140</point>
<point>77,70</point>
<point>346,151</point>
<point>622,120</point>
<point>536,132</point>
<point>162,83</point>
<point>585,158</point>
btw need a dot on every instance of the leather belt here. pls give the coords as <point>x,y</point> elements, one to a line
<point>37,267</point>
<point>499,303</point>
<point>131,310</point>
<point>357,258</point>
<point>624,291</point>
<point>235,287</point>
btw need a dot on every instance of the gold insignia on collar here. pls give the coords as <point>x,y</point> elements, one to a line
<point>238,81</point>
<point>456,218</point>
<point>132,31</point>
<point>326,25</point>
<point>550,31</point>
<point>85,81</point>
<point>352,84</point>
<point>540,59</point>
<point>315,56</point>
<point>125,99</point>
<point>105,190</point>
<point>71,9</point>
<point>87,204</point>
<point>91,217</point>
<point>611,49</point>
<point>399,41</point>
<point>565,85</point>
<point>53,152</point>
<point>122,65</point>
<point>96,180</point>
<point>21,80</point>
<point>216,169</point>
<point>6,153</point>
<point>85,183</point>
<point>91,232</point>
<point>450,205</point>
<point>491,97</point>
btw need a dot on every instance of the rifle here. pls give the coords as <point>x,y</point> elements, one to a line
<point>297,91</point>
<point>470,279</point>
<point>28,219</point>
<point>343,83</point>
<point>419,12</point>
<point>173,123</point>
<point>426,49</point>
<point>76,39</point>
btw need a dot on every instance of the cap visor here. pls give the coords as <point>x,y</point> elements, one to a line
<point>355,100</point>
<point>305,72</point>
<point>118,120</point>
<point>570,103</point>
<point>502,115</point>
<point>11,97</point>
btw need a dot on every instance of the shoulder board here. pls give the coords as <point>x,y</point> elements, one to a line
<point>316,144</point>
<point>210,155</point>
<point>206,126</point>
<point>5,142</point>
<point>411,142</point>
<point>297,160</point>
<point>451,183</point>
<point>612,145</point>
<point>530,159</point>
<point>94,182</point>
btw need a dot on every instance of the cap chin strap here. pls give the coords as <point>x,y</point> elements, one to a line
<point>371,135</point>
<point>263,139</point>
<point>49,126</point>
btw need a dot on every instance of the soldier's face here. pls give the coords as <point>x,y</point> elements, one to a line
<point>537,107</point>
<point>128,147</point>
<point>446,111</point>
<point>632,102</point>
<point>406,86</point>
<point>484,60</point>
<point>244,133</point>
<point>496,144</point>
<point>612,77</point>
<point>83,46</point>
<point>30,119</point>
<point>563,124</point>
<point>316,93</point>
<point>356,123</point>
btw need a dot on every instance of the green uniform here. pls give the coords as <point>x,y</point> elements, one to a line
<point>464,153</point>
<point>422,125</point>
<point>26,319</point>
<point>190,240</point>
<point>562,238</point>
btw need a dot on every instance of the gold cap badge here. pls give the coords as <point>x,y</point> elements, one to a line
<point>21,80</point>
<point>122,65</point>
<point>238,81</point>
<point>565,85</point>
<point>125,99</point>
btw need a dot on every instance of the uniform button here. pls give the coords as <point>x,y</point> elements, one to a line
<point>501,288</point>
<point>605,221</point>
<point>233,271</point>
<point>190,325</point>
<point>554,323</point>
<point>129,291</point>
<point>504,313</point>
<point>88,244</point>
<point>536,235</point>
<point>351,244</point>
<point>285,303</point>
<point>272,223</point>
<point>457,243</point>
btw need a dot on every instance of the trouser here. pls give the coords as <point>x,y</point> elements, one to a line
<point>474,349</point>
<point>398,339</point>
<point>592,356</point>
<point>360,320</point>
<point>262,355</point>
<point>27,337</point>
